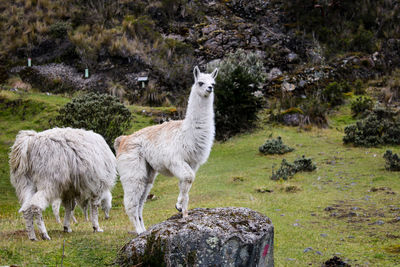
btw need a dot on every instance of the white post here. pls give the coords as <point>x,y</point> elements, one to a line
<point>29,62</point>
<point>86,73</point>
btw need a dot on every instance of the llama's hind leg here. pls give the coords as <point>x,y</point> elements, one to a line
<point>40,224</point>
<point>33,209</point>
<point>134,172</point>
<point>186,177</point>
<point>151,176</point>
<point>132,195</point>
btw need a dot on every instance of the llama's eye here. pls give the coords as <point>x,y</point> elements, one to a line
<point>201,84</point>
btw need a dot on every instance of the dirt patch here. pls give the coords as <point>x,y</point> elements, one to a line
<point>335,262</point>
<point>13,234</point>
<point>393,249</point>
<point>238,179</point>
<point>264,190</point>
<point>354,211</point>
<point>387,190</point>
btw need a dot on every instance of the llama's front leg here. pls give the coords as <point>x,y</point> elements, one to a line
<point>95,216</point>
<point>73,211</point>
<point>55,206</point>
<point>186,177</point>
<point>69,206</point>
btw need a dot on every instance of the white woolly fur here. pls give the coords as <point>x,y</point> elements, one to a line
<point>174,148</point>
<point>59,163</point>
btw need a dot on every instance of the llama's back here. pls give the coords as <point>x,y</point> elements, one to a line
<point>159,138</point>
<point>64,158</point>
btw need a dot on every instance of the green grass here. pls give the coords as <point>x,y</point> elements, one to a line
<point>343,180</point>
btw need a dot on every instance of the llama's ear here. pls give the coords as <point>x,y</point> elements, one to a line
<point>214,74</point>
<point>196,73</point>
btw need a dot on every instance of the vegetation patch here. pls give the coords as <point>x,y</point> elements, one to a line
<point>103,114</point>
<point>275,146</point>
<point>236,103</point>
<point>381,126</point>
<point>360,105</point>
<point>392,161</point>
<point>287,169</point>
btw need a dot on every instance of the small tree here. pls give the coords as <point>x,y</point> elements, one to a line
<point>236,103</point>
<point>101,113</point>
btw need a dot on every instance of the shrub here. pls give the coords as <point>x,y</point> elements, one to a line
<point>59,29</point>
<point>392,161</point>
<point>381,126</point>
<point>101,113</point>
<point>287,170</point>
<point>236,103</point>
<point>359,88</point>
<point>360,105</point>
<point>332,94</point>
<point>275,146</point>
<point>314,112</point>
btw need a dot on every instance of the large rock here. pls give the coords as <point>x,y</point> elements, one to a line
<point>207,237</point>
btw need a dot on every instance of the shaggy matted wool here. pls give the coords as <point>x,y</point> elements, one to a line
<point>61,163</point>
<point>175,148</point>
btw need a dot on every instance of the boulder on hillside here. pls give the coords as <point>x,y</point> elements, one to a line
<point>207,237</point>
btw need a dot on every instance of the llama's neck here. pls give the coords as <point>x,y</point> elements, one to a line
<point>199,119</point>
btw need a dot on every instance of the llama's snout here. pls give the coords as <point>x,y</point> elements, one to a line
<point>209,89</point>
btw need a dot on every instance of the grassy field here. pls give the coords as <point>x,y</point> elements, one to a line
<point>347,207</point>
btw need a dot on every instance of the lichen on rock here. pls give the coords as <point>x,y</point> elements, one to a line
<point>207,237</point>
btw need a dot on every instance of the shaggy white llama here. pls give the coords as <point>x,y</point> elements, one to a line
<point>61,163</point>
<point>174,148</point>
<point>106,200</point>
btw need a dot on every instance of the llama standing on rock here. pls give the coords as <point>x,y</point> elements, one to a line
<point>61,163</point>
<point>175,148</point>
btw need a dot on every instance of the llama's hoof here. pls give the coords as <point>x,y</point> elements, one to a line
<point>95,229</point>
<point>46,237</point>
<point>132,233</point>
<point>179,209</point>
<point>67,229</point>
<point>33,239</point>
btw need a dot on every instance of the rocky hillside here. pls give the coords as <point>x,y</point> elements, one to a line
<point>119,41</point>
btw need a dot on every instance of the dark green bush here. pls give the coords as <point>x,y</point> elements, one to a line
<point>392,161</point>
<point>275,146</point>
<point>236,105</point>
<point>360,105</point>
<point>287,170</point>
<point>101,113</point>
<point>381,126</point>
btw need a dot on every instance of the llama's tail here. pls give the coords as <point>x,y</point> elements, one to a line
<point>19,167</point>
<point>19,162</point>
<point>117,142</point>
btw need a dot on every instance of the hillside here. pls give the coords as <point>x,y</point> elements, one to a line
<point>348,207</point>
<point>119,41</point>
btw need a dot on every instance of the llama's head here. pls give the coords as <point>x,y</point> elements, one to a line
<point>204,82</point>
<point>106,203</point>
